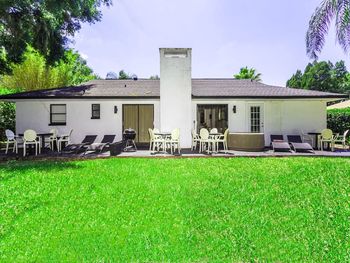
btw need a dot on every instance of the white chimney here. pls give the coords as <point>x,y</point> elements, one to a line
<point>176,92</point>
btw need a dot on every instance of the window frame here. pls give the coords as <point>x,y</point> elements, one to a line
<point>95,110</point>
<point>51,114</point>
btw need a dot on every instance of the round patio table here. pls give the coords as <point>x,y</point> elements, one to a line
<point>42,138</point>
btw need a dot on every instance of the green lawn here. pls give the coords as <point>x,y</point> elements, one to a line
<point>208,209</point>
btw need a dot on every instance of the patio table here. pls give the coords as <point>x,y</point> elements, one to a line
<point>42,138</point>
<point>214,136</point>
<point>316,134</point>
<point>164,135</point>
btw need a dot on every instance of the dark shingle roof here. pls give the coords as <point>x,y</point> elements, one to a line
<point>146,88</point>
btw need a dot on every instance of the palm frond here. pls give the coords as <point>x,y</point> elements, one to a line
<point>319,26</point>
<point>343,24</point>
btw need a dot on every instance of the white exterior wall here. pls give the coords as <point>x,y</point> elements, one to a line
<point>287,117</point>
<point>175,92</point>
<point>36,115</point>
<point>280,116</point>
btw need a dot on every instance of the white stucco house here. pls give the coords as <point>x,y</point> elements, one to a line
<point>175,101</point>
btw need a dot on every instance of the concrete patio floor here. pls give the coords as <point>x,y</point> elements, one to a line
<point>185,153</point>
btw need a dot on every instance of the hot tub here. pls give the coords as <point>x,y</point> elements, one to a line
<point>250,142</point>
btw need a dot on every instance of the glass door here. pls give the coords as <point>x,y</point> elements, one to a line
<point>256,118</point>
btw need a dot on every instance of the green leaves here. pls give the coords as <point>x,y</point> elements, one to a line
<point>322,76</point>
<point>45,25</point>
<point>34,73</point>
<point>248,73</point>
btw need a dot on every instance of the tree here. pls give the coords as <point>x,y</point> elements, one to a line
<point>45,25</point>
<point>34,73</point>
<point>296,80</point>
<point>123,75</point>
<point>322,76</point>
<point>154,77</point>
<point>248,73</point>
<point>329,10</point>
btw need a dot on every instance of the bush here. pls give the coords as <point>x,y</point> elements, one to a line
<point>7,115</point>
<point>338,120</point>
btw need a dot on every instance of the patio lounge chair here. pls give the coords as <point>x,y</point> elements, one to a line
<point>99,147</point>
<point>298,144</point>
<point>76,148</point>
<point>278,144</point>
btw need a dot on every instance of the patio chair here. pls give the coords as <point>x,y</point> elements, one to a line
<point>155,141</point>
<point>53,139</point>
<point>341,138</point>
<point>30,138</point>
<point>205,140</point>
<point>278,144</point>
<point>64,139</point>
<point>298,144</point>
<point>195,140</point>
<point>174,141</point>
<point>11,139</point>
<point>214,130</point>
<point>326,137</point>
<point>99,147</point>
<point>222,139</point>
<point>307,138</point>
<point>76,148</point>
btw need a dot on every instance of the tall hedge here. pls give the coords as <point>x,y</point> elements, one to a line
<point>338,120</point>
<point>7,115</point>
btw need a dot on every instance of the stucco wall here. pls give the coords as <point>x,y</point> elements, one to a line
<point>280,116</point>
<point>175,93</point>
<point>36,115</point>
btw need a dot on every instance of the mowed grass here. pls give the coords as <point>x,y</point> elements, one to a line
<point>209,209</point>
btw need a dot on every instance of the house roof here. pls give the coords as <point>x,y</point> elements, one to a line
<point>146,88</point>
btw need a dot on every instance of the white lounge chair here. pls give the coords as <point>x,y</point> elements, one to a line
<point>11,139</point>
<point>30,138</point>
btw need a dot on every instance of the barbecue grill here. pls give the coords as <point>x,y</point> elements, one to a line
<point>129,136</point>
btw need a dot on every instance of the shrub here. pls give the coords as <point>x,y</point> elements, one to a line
<point>7,115</point>
<point>338,120</point>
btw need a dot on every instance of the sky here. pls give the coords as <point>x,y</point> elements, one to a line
<point>224,35</point>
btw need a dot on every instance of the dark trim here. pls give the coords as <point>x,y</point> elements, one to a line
<point>95,111</point>
<point>81,97</point>
<point>57,124</point>
<point>65,114</point>
<point>193,97</point>
<point>274,97</point>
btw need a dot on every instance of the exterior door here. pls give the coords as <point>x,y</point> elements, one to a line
<point>139,117</point>
<point>256,118</point>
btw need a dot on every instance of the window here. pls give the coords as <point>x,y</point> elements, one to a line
<point>95,111</point>
<point>58,114</point>
<point>255,119</point>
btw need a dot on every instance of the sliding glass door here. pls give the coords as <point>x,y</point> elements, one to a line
<point>212,116</point>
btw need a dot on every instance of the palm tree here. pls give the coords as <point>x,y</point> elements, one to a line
<point>320,22</point>
<point>248,73</point>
